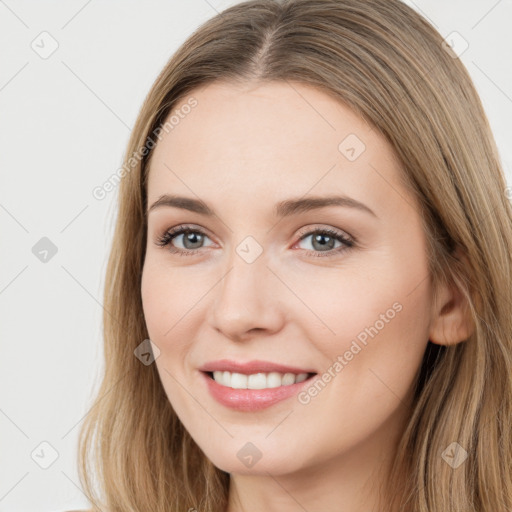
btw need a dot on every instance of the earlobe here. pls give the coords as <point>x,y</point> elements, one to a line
<point>451,321</point>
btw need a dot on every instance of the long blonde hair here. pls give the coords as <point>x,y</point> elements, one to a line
<point>390,66</point>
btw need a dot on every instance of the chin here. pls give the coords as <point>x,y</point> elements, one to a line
<point>255,457</point>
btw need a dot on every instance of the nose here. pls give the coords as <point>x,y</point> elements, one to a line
<point>247,301</point>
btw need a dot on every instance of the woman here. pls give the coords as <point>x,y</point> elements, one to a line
<point>339,335</point>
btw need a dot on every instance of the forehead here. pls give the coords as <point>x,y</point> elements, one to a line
<point>275,139</point>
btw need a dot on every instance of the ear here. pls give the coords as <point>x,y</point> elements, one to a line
<point>451,321</point>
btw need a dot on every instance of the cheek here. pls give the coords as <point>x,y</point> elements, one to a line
<point>371,362</point>
<point>169,315</point>
<point>376,319</point>
<point>340,303</point>
<point>155,301</point>
<point>164,302</point>
<point>169,297</point>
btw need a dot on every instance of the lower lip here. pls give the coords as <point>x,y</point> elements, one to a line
<point>252,399</point>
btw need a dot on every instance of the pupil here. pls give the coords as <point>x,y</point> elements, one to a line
<point>318,238</point>
<point>192,237</point>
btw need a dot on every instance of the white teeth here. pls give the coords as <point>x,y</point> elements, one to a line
<point>301,377</point>
<point>238,380</point>
<point>288,378</point>
<point>273,380</point>
<point>257,380</point>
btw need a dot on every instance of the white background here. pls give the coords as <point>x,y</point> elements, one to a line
<point>64,125</point>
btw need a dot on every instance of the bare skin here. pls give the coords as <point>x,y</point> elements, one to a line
<point>241,150</point>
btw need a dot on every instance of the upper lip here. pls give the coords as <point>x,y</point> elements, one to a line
<point>251,367</point>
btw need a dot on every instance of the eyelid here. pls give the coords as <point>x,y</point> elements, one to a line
<point>308,230</point>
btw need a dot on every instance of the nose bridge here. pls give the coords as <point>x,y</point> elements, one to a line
<point>245,297</point>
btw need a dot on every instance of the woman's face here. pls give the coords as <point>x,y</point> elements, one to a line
<point>257,289</point>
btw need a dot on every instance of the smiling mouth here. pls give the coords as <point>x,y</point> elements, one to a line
<point>262,380</point>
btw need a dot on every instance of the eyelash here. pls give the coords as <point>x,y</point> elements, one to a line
<point>169,235</point>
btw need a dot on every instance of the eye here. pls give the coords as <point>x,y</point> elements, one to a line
<point>192,238</point>
<point>325,240</point>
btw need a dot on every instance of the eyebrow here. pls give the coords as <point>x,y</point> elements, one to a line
<point>282,209</point>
